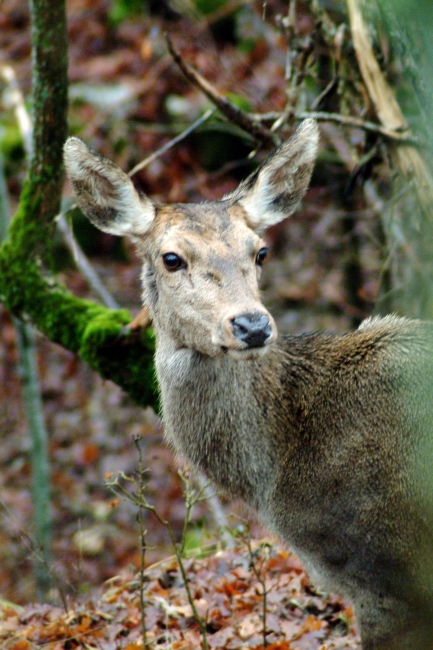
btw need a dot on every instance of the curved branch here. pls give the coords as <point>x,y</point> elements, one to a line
<point>234,114</point>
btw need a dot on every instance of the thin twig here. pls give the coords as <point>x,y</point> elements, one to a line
<point>173,142</point>
<point>191,498</point>
<point>215,507</point>
<point>234,114</point>
<point>325,92</point>
<point>345,120</point>
<point>257,570</point>
<point>358,122</point>
<point>84,265</point>
<point>143,540</point>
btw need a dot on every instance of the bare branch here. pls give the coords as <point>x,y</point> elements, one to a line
<point>234,114</point>
<point>358,122</point>
<point>346,120</point>
<point>144,163</point>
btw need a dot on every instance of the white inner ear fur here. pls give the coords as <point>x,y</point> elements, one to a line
<point>288,173</point>
<point>100,185</point>
<point>136,213</point>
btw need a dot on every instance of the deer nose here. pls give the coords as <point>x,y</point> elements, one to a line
<point>252,329</point>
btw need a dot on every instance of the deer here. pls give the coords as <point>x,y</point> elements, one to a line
<point>328,437</point>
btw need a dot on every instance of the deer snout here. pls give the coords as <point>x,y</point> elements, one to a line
<point>245,335</point>
<point>254,330</point>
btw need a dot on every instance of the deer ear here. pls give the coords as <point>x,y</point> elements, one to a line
<point>104,193</point>
<point>272,192</point>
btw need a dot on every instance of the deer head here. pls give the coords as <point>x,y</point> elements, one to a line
<point>201,262</point>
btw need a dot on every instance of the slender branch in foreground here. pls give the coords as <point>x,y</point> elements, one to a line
<point>217,511</point>
<point>143,538</point>
<point>139,499</point>
<point>257,570</point>
<point>234,114</point>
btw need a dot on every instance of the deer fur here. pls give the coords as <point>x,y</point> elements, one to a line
<point>329,437</point>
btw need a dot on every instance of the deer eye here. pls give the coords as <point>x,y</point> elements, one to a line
<point>261,256</point>
<point>173,262</point>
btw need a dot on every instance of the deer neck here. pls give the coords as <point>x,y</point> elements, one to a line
<point>212,419</point>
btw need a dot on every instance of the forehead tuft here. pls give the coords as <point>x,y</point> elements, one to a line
<point>203,219</point>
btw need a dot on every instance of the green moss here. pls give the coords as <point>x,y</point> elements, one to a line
<point>117,356</point>
<point>239,101</point>
<point>122,10</point>
<point>208,7</point>
<point>27,233</point>
<point>94,332</point>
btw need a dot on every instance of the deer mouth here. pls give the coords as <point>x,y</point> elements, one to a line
<point>248,354</point>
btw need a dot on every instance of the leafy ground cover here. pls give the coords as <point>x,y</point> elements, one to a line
<point>225,594</point>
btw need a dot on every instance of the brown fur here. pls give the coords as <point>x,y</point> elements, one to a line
<point>329,438</point>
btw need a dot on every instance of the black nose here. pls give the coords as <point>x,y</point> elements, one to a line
<point>253,329</point>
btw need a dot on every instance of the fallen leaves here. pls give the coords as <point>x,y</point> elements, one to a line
<point>226,594</point>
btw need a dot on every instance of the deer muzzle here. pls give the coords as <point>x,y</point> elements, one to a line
<point>253,329</point>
